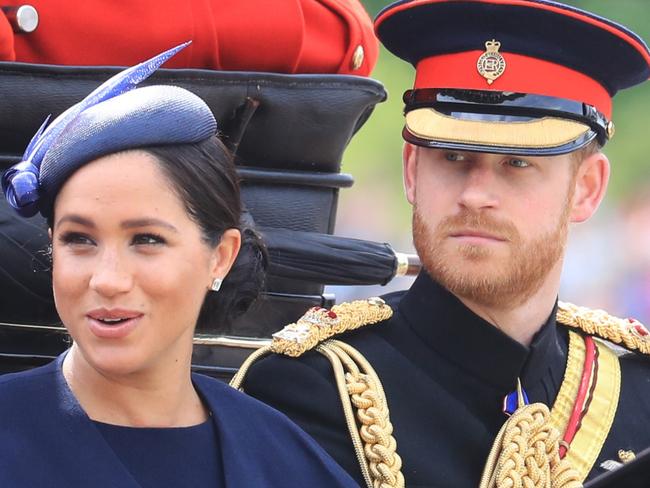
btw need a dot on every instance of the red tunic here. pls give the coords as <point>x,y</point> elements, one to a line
<point>290,36</point>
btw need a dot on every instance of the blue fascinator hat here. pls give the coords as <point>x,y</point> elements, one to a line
<point>113,118</point>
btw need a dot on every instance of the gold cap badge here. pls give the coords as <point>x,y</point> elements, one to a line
<point>491,63</point>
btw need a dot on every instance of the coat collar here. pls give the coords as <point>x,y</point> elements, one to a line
<point>94,459</point>
<point>446,325</point>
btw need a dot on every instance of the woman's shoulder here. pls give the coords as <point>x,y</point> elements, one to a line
<point>250,430</point>
<point>25,384</point>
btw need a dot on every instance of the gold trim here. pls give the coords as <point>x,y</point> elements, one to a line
<point>565,399</point>
<point>427,123</point>
<point>230,341</point>
<point>597,422</point>
<point>626,456</point>
<point>629,333</point>
<point>53,328</point>
<point>199,339</point>
<point>361,393</point>
<point>491,64</point>
<point>319,324</point>
<point>402,264</point>
<point>357,58</point>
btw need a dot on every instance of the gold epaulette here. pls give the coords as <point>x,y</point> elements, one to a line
<point>629,333</point>
<point>319,324</point>
<point>359,388</point>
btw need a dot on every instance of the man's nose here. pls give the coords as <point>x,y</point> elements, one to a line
<point>111,275</point>
<point>479,189</point>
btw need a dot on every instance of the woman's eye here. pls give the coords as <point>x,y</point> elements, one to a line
<point>148,240</point>
<point>452,156</point>
<point>76,239</point>
<point>518,163</point>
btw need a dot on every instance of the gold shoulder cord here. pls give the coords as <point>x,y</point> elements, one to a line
<point>359,386</point>
<point>526,451</point>
<point>629,333</point>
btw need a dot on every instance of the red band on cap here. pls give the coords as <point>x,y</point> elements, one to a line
<point>522,74</point>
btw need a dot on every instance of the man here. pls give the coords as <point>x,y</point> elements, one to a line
<point>511,105</point>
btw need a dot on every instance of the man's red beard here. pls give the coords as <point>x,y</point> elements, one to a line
<point>471,271</point>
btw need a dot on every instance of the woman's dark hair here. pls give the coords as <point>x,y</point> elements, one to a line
<point>203,176</point>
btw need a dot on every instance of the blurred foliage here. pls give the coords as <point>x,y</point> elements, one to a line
<point>374,155</point>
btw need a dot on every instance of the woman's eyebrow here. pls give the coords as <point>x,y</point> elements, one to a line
<point>76,219</point>
<point>147,222</point>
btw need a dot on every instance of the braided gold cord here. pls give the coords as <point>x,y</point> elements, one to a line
<point>365,392</point>
<point>239,377</point>
<point>319,324</point>
<point>525,454</point>
<point>627,332</point>
<point>339,376</point>
<point>357,382</point>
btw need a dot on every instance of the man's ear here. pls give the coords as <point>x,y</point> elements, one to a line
<point>590,186</point>
<point>225,253</point>
<point>409,161</point>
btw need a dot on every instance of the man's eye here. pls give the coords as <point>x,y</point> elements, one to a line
<point>452,156</point>
<point>518,163</point>
<point>148,240</point>
<point>76,239</point>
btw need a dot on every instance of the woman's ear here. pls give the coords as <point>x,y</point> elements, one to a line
<point>591,182</point>
<point>409,161</point>
<point>225,253</point>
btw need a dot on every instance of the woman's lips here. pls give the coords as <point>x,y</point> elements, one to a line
<point>113,324</point>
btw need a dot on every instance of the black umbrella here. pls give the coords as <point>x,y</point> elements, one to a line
<point>334,260</point>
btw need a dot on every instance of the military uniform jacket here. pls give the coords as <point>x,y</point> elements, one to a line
<point>445,372</point>
<point>47,440</point>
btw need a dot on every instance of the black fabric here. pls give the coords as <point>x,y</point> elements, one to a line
<point>323,258</point>
<point>445,372</point>
<point>170,457</point>
<point>426,30</point>
<point>25,282</point>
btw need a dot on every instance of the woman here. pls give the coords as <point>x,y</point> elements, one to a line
<point>143,209</point>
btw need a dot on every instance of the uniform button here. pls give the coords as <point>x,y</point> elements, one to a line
<point>23,19</point>
<point>357,57</point>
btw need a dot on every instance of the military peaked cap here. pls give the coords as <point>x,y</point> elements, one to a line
<point>530,77</point>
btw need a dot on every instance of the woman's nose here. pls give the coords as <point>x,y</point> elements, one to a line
<point>111,275</point>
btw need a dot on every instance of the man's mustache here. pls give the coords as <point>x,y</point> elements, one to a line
<point>478,222</point>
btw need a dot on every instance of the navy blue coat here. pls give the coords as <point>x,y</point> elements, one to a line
<point>47,440</point>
